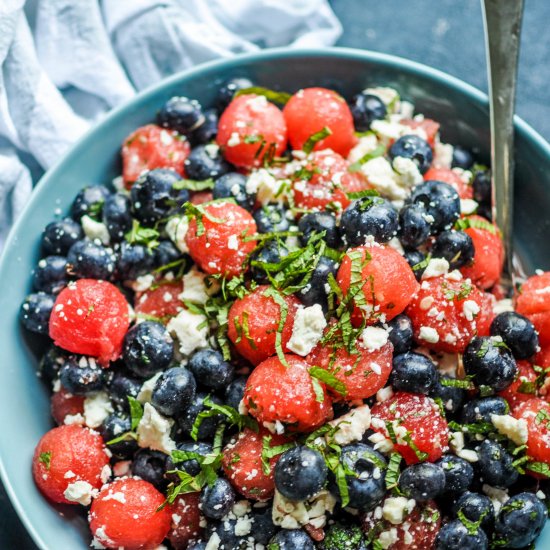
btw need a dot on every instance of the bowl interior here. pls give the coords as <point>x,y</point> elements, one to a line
<point>24,401</point>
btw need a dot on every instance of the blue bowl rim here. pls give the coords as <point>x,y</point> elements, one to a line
<point>391,61</point>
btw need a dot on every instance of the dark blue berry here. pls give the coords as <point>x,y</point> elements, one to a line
<point>480,410</point>
<point>518,333</point>
<point>365,108</point>
<point>89,260</point>
<point>462,158</point>
<point>271,218</point>
<point>415,259</point>
<point>191,466</point>
<point>148,348</point>
<point>317,222</point>
<point>401,334</point>
<point>422,482</point>
<point>181,114</point>
<point>291,539</point>
<point>121,385</point>
<point>35,312</point>
<point>272,252</point>
<point>490,363</point>
<point>89,201</point>
<point>227,91</point>
<point>263,526</point>
<point>134,260</point>
<point>50,275</point>
<point>459,473</point>
<point>440,200</point>
<point>366,478</point>
<point>300,473</point>
<point>207,131</point>
<point>217,500</point>
<point>174,391</point>
<point>207,427</point>
<point>154,197</point>
<point>369,216</point>
<point>59,236</point>
<point>415,148</point>
<point>82,376</point>
<point>482,187</point>
<point>113,427</point>
<point>117,215</point>
<point>197,546</point>
<point>235,392</point>
<point>151,466</point>
<point>456,247</point>
<point>454,535</point>
<point>477,508</point>
<point>495,464</point>
<point>233,186</point>
<point>414,225</point>
<point>413,372</point>
<point>451,396</point>
<point>204,162</point>
<point>166,253</point>
<point>520,520</point>
<point>51,362</point>
<point>315,292</point>
<point>211,370</point>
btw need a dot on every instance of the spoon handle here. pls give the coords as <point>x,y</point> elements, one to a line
<point>502,36</point>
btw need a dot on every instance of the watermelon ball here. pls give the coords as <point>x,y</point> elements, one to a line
<point>534,303</point>
<point>186,521</point>
<point>90,318</point>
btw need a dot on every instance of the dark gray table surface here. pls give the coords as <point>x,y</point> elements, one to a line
<point>446,34</point>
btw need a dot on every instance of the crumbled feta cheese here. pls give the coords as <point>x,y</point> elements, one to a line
<point>352,425</point>
<point>73,419</point>
<point>146,390</point>
<point>96,409</point>
<point>196,289</point>
<point>387,538</point>
<point>266,188</point>
<point>143,282</point>
<point>470,309</point>
<point>382,177</point>
<point>408,170</point>
<point>381,443</point>
<point>374,338</point>
<point>395,509</point>
<point>101,538</point>
<point>429,334</point>
<point>95,230</point>
<point>307,329</point>
<point>443,155</point>
<point>191,330</point>
<point>387,95</point>
<point>119,496</point>
<point>154,430</point>
<point>212,150</point>
<point>514,429</point>
<point>290,514</point>
<point>435,268</point>
<point>213,542</point>
<point>468,206</point>
<point>456,442</point>
<point>81,492</point>
<point>233,242</point>
<point>366,144</point>
<point>234,139</point>
<point>395,243</point>
<point>498,496</point>
<point>500,306</point>
<point>384,394</point>
<point>406,109</point>
<point>176,228</point>
<point>468,455</point>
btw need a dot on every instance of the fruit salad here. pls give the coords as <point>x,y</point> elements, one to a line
<point>281,327</point>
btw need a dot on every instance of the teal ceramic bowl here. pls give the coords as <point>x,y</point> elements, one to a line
<point>24,401</point>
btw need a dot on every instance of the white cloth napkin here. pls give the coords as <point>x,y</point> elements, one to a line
<point>64,63</point>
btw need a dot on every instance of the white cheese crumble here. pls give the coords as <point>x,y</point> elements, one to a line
<point>435,268</point>
<point>213,542</point>
<point>143,282</point>
<point>515,430</point>
<point>498,496</point>
<point>408,170</point>
<point>307,329</point>
<point>352,425</point>
<point>388,537</point>
<point>443,155</point>
<point>176,228</point>
<point>191,330</point>
<point>366,144</point>
<point>290,514</point>
<point>470,309</point>
<point>384,394</point>
<point>81,492</point>
<point>388,96</point>
<point>395,509</point>
<point>266,188</point>
<point>195,288</point>
<point>96,409</point>
<point>153,430</point>
<point>374,338</point>
<point>468,206</point>
<point>146,390</point>
<point>501,306</point>
<point>95,230</point>
<point>429,334</point>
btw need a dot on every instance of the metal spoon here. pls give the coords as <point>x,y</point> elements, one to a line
<point>502,36</point>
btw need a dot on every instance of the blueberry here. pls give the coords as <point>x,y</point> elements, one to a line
<point>35,312</point>
<point>482,187</point>
<point>204,162</point>
<point>317,222</point>
<point>117,215</point>
<point>462,158</point>
<point>151,466</point>
<point>51,362</point>
<point>50,275</point>
<point>300,473</point>
<point>153,196</point>
<point>451,396</point>
<point>315,292</point>
<point>456,247</point>
<point>166,253</point>
<point>82,377</point>
<point>134,260</point>
<point>208,130</point>
<point>233,186</point>
<point>122,385</point>
<point>148,348</point>
<point>89,201</point>
<point>440,200</point>
<point>459,473</point>
<point>369,216</point>
<point>191,466</point>
<point>89,260</point>
<point>518,333</point>
<point>401,334</point>
<point>422,482</point>
<point>59,236</point>
<point>208,426</point>
<point>414,259</point>
<point>495,464</point>
<point>272,252</point>
<point>413,372</point>
<point>181,114</point>
<point>291,539</point>
<point>235,392</point>
<point>477,508</point>
<point>415,148</point>
<point>490,363</point>
<point>414,225</point>
<point>480,410</point>
<point>520,520</point>
<point>174,391</point>
<point>197,546</point>
<point>211,370</point>
<point>217,500</point>
<point>366,477</point>
<point>455,536</point>
<point>113,427</point>
<point>271,218</point>
<point>264,528</point>
<point>227,91</point>
<point>365,108</point>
